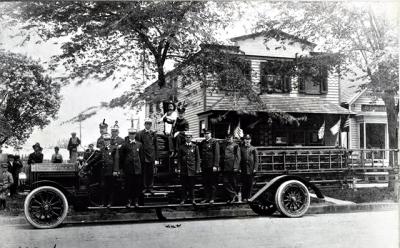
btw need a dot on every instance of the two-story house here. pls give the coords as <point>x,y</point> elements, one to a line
<point>312,101</point>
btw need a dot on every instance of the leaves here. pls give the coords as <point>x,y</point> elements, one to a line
<point>33,98</point>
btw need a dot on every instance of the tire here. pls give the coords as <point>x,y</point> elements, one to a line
<point>292,199</point>
<point>45,207</point>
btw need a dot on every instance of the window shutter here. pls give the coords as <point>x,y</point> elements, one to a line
<point>287,84</point>
<point>301,84</point>
<point>324,80</point>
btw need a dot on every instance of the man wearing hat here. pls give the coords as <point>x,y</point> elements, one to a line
<point>130,154</point>
<point>36,156</point>
<point>188,164</point>
<point>148,138</point>
<point>106,157</point>
<point>248,166</point>
<point>14,167</point>
<point>209,154</point>
<point>103,130</point>
<point>72,147</point>
<point>230,156</point>
<point>6,180</point>
<point>116,143</point>
<point>180,127</point>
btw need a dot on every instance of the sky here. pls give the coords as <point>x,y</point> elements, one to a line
<point>91,93</point>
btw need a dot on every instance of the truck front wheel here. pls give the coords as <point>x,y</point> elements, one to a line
<point>45,207</point>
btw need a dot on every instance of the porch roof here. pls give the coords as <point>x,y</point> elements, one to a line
<point>285,104</point>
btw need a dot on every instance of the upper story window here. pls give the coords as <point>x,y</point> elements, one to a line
<point>231,79</point>
<point>275,76</point>
<point>313,81</point>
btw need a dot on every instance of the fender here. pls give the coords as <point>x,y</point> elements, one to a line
<point>276,181</point>
<point>53,184</point>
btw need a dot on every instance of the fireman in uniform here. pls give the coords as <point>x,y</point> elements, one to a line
<point>131,153</point>
<point>107,158</point>
<point>148,138</point>
<point>248,166</point>
<point>188,164</point>
<point>116,143</point>
<point>209,154</point>
<point>230,157</point>
<point>180,127</point>
<point>103,130</point>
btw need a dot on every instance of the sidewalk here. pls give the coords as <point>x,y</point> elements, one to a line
<point>107,216</point>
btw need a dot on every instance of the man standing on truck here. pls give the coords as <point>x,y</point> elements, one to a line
<point>131,153</point>
<point>103,130</point>
<point>116,143</point>
<point>230,156</point>
<point>148,138</point>
<point>188,164</point>
<point>73,144</point>
<point>209,154</point>
<point>248,166</point>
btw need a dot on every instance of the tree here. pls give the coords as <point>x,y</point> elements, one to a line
<point>367,40</point>
<point>107,39</point>
<point>29,98</point>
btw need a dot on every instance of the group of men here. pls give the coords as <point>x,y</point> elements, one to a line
<point>136,155</point>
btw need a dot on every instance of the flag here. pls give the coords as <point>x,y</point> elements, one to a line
<point>346,124</point>
<point>335,129</point>
<point>229,129</point>
<point>321,131</point>
<point>238,132</point>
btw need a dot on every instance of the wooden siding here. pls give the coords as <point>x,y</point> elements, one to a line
<point>366,99</point>
<point>194,97</point>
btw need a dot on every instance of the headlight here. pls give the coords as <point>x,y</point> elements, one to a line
<point>22,176</point>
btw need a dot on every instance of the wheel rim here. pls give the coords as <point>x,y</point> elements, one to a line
<point>294,198</point>
<point>46,207</point>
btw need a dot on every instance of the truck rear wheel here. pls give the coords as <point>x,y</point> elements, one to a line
<point>45,207</point>
<point>292,198</point>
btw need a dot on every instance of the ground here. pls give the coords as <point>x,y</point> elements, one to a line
<point>361,229</point>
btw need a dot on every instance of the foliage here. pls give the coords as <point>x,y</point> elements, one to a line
<point>367,41</point>
<point>32,98</point>
<point>107,39</point>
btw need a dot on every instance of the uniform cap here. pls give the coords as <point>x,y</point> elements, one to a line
<point>207,130</point>
<point>148,120</point>
<point>103,124</point>
<point>247,137</point>
<point>115,127</point>
<point>189,133</point>
<point>106,136</point>
<point>132,130</point>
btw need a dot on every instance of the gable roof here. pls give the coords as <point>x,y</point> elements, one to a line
<point>274,32</point>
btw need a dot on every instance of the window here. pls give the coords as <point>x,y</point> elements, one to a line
<point>274,77</point>
<point>313,81</point>
<point>361,135</point>
<point>373,108</point>
<point>232,79</point>
<point>202,126</point>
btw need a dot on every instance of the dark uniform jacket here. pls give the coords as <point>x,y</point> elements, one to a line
<point>181,125</point>
<point>106,158</point>
<point>248,160</point>
<point>130,153</point>
<point>188,159</point>
<point>209,153</point>
<point>230,156</point>
<point>73,146</point>
<point>116,143</point>
<point>149,145</point>
<point>14,168</point>
<point>35,158</point>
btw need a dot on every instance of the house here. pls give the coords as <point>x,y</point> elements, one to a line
<point>309,104</point>
<point>368,127</point>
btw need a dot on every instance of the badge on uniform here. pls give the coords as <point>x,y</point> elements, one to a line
<point>137,149</point>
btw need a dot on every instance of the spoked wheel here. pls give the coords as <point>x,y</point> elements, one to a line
<point>265,206</point>
<point>45,207</point>
<point>292,198</point>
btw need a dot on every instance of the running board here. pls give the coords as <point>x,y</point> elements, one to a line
<point>170,206</point>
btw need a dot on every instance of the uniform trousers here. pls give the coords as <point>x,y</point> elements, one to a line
<point>247,185</point>
<point>133,183</point>
<point>108,189</point>
<point>209,183</point>
<point>188,183</point>
<point>230,184</point>
<point>148,175</point>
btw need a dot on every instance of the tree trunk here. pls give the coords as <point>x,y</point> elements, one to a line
<point>392,122</point>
